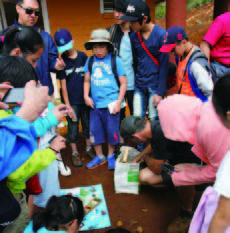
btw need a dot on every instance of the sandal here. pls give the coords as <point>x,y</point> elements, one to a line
<point>76,160</point>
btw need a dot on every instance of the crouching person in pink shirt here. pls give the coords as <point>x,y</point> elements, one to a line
<point>188,131</point>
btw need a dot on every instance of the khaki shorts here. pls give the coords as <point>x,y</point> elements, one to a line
<point>19,225</point>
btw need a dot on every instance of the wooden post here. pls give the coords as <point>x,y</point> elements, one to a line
<point>176,13</point>
<point>221,7</point>
<point>151,4</point>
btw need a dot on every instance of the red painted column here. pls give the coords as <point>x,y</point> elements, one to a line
<point>221,7</point>
<point>151,4</point>
<point>176,13</point>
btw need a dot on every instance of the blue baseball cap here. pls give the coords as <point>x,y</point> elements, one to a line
<point>63,40</point>
<point>173,35</point>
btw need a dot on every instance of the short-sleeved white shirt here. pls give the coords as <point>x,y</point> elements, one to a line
<point>222,184</point>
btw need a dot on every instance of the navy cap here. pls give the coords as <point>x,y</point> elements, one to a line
<point>63,40</point>
<point>135,10</point>
<point>173,35</point>
<point>121,5</point>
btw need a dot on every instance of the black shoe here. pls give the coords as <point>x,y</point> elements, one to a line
<point>91,153</point>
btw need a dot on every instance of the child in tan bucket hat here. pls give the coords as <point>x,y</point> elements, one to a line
<point>104,91</point>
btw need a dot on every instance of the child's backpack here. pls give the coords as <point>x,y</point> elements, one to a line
<point>114,67</point>
<point>197,54</point>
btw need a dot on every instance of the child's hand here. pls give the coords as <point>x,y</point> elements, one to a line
<point>117,107</point>
<point>60,64</point>
<point>58,143</point>
<point>61,111</point>
<point>157,100</point>
<point>71,113</point>
<point>89,102</point>
<point>36,100</point>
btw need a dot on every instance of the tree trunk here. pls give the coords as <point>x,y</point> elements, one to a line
<point>220,7</point>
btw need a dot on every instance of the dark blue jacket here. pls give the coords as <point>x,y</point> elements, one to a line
<point>47,61</point>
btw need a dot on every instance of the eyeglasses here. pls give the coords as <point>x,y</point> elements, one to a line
<point>30,11</point>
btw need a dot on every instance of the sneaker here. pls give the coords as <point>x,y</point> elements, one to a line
<point>90,153</point>
<point>63,169</point>
<point>111,162</point>
<point>76,160</point>
<point>95,162</point>
<point>179,225</point>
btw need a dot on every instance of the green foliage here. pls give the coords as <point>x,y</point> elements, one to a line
<point>191,4</point>
<point>160,10</point>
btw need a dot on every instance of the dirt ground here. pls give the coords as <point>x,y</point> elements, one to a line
<point>153,209</point>
<point>161,203</point>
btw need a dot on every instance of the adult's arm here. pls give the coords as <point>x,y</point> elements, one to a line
<point>39,160</point>
<point>153,164</point>
<point>205,48</point>
<point>147,151</point>
<point>18,138</point>
<point>52,54</point>
<point>191,174</point>
<point>213,35</point>
<point>221,218</point>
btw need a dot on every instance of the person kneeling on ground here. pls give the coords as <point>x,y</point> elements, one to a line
<point>184,123</point>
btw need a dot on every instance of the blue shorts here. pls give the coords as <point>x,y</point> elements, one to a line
<point>104,125</point>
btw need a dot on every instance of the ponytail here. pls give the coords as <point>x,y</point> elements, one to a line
<point>27,39</point>
<point>39,220</point>
<point>59,210</point>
